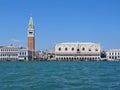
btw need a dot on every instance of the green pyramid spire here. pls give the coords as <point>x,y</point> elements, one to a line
<point>31,21</point>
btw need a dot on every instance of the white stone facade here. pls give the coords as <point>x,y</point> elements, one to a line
<point>12,53</point>
<point>113,54</point>
<point>77,51</point>
<point>24,54</point>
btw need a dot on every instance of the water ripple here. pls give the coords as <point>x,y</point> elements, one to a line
<point>60,75</point>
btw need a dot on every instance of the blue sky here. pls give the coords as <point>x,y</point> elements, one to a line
<point>59,21</point>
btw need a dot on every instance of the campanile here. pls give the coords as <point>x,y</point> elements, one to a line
<point>31,34</point>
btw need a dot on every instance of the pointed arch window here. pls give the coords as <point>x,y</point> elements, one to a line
<point>72,49</point>
<point>96,49</point>
<point>89,49</point>
<point>83,49</point>
<point>78,50</point>
<point>59,49</point>
<point>66,49</point>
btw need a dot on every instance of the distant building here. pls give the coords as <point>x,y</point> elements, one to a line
<point>103,55</point>
<point>24,54</point>
<point>77,51</point>
<point>40,55</point>
<point>12,53</point>
<point>51,54</point>
<point>113,54</point>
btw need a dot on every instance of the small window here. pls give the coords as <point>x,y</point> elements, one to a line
<point>112,53</point>
<point>59,49</point>
<point>89,49</point>
<point>72,49</point>
<point>83,49</point>
<point>66,49</point>
<point>96,49</point>
<point>78,50</point>
<point>30,32</point>
<point>109,53</point>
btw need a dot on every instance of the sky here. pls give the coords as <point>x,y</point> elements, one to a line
<point>58,21</point>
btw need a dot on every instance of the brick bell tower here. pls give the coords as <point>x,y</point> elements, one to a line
<point>31,39</point>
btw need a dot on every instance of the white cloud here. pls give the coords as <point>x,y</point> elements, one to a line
<point>15,40</point>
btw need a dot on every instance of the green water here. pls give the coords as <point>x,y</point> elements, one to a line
<point>63,75</point>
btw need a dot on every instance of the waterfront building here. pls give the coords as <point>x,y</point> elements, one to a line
<point>77,51</point>
<point>41,55</point>
<point>51,54</point>
<point>31,39</point>
<point>24,54</point>
<point>12,53</point>
<point>113,54</point>
<point>103,54</point>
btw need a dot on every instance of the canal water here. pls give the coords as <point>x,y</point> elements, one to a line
<point>64,75</point>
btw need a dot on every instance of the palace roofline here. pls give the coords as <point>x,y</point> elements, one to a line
<point>77,43</point>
